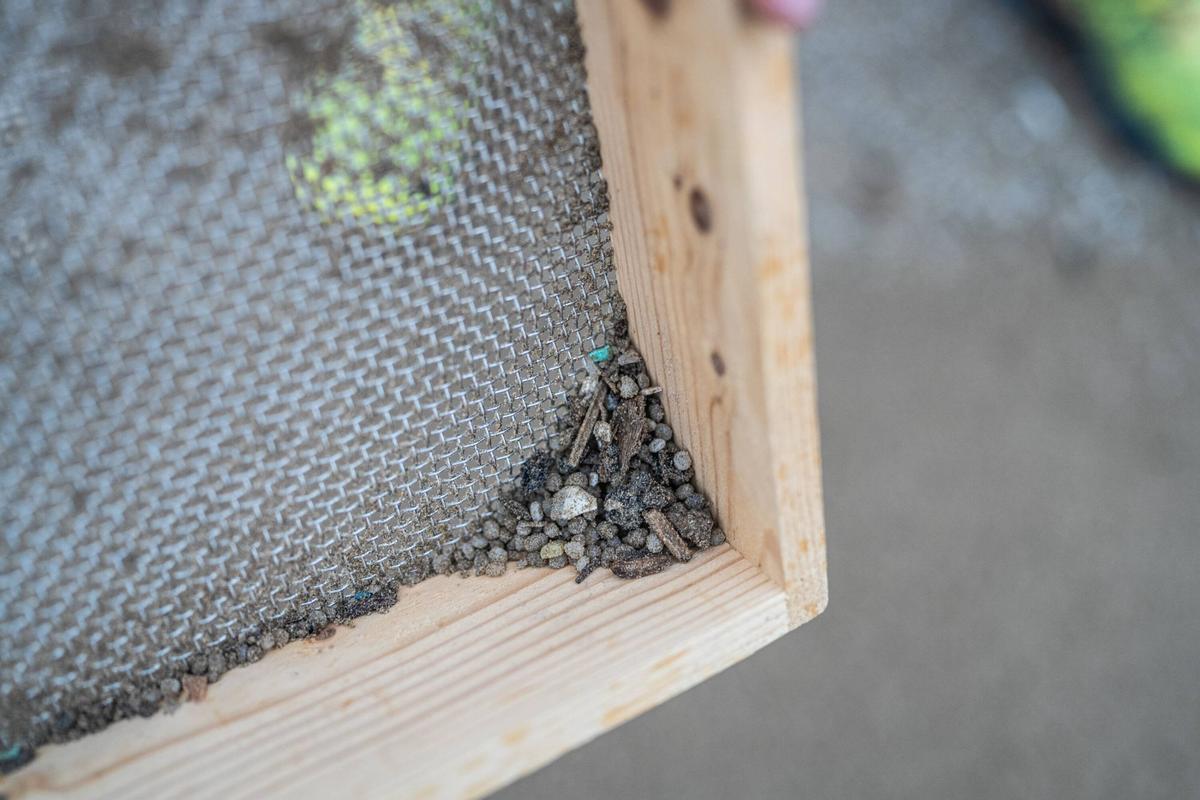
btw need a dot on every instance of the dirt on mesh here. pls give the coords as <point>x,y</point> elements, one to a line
<point>611,490</point>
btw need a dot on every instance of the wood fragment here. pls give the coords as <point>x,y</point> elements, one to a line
<point>666,532</point>
<point>641,566</point>
<point>585,428</point>
<point>195,687</point>
<point>629,425</point>
<point>610,462</point>
<point>649,390</point>
<point>629,357</point>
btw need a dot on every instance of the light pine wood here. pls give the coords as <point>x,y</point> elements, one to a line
<point>464,686</point>
<point>468,684</point>
<point>694,105</point>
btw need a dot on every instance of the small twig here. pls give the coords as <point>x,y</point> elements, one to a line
<point>641,567</point>
<point>666,532</point>
<point>585,428</point>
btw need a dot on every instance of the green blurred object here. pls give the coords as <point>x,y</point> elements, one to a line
<point>386,145</point>
<point>1148,54</point>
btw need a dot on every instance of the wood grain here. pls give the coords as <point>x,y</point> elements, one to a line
<point>462,687</point>
<point>694,103</point>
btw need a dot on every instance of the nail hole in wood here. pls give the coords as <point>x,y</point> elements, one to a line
<point>658,8</point>
<point>718,363</point>
<point>701,210</point>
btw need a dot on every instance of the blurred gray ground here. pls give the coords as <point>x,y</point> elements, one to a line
<point>1008,339</point>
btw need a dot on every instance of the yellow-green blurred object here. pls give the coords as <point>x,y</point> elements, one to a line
<point>386,143</point>
<point>1149,51</point>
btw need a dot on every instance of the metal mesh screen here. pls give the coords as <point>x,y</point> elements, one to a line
<point>290,289</point>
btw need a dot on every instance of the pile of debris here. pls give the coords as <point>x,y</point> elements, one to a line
<point>616,492</point>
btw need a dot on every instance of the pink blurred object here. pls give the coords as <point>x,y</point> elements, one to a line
<point>797,13</point>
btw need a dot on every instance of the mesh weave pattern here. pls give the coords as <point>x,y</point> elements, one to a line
<point>290,289</point>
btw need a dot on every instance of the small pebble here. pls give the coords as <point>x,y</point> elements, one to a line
<point>478,542</point>
<point>657,445</point>
<point>535,511</point>
<point>491,529</point>
<point>717,537</point>
<point>694,526</point>
<point>553,482</point>
<point>653,543</point>
<point>576,479</point>
<point>551,550</point>
<point>558,562</point>
<point>494,569</point>
<point>577,526</point>
<point>526,528</point>
<point>535,543</point>
<point>657,496</point>
<point>498,554</point>
<point>216,665</point>
<point>655,412</point>
<point>682,461</point>
<point>593,479</point>
<point>643,381</point>
<point>603,432</point>
<point>664,431</point>
<point>628,387</point>
<point>570,501</point>
<point>636,538</point>
<point>170,687</point>
<point>574,550</point>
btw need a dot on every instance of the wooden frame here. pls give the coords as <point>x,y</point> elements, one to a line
<point>473,683</point>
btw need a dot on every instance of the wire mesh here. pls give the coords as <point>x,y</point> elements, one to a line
<point>290,289</point>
